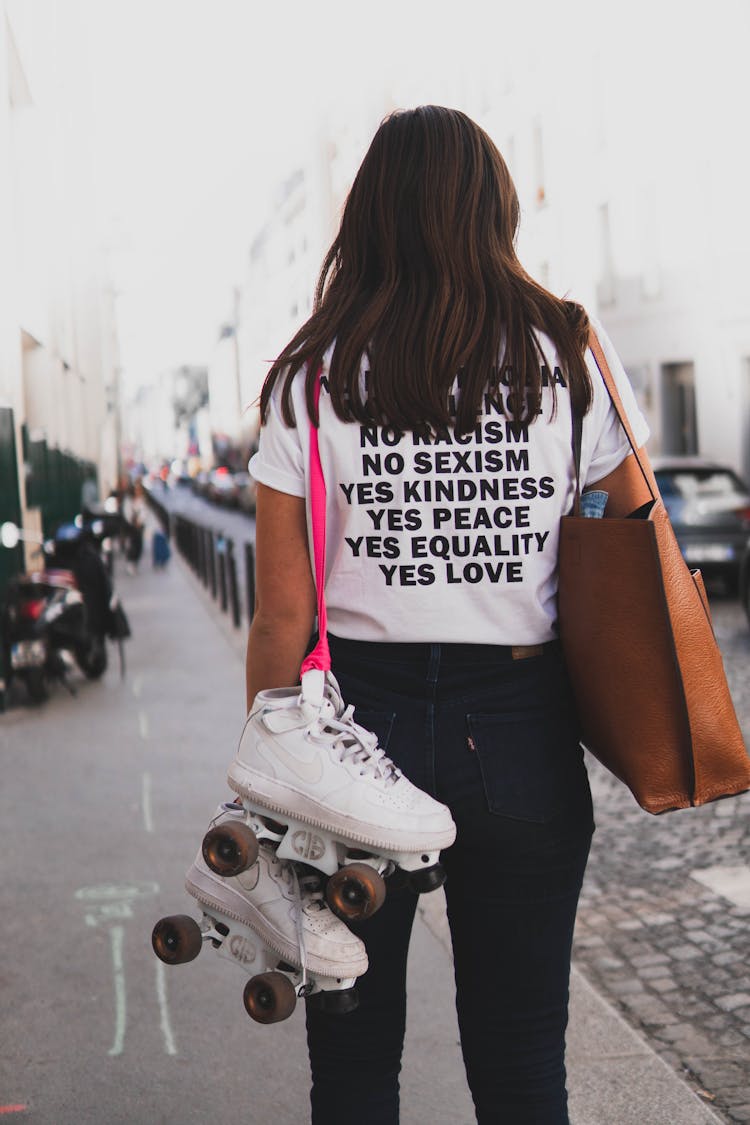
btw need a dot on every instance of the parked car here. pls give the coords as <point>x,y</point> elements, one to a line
<point>709,507</point>
<point>221,487</point>
<point>200,483</point>
<point>745,582</point>
<point>246,491</point>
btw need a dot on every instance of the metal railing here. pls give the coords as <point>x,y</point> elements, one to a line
<point>211,556</point>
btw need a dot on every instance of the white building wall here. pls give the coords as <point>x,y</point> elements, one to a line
<point>224,402</point>
<point>13,91</point>
<point>632,174</point>
<point>632,171</point>
<point>58,347</point>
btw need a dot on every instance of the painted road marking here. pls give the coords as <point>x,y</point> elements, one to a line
<point>148,819</point>
<point>143,725</point>
<point>109,901</point>
<point>161,995</point>
<point>138,686</point>
<point>121,1014</point>
<point>110,892</point>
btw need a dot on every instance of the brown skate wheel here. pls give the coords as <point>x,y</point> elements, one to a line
<point>269,997</point>
<point>229,849</point>
<point>355,891</point>
<point>177,939</point>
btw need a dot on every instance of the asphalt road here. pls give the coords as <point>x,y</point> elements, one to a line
<point>102,799</point>
<point>663,924</point>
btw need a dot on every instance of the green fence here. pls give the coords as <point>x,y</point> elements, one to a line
<point>10,504</point>
<point>54,482</point>
<point>11,561</point>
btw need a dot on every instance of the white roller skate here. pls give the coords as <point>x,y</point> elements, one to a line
<point>273,922</point>
<point>337,801</point>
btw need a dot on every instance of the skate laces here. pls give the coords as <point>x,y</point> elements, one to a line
<point>299,908</point>
<point>351,740</point>
<point>311,891</point>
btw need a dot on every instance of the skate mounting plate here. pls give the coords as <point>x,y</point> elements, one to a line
<point>327,851</point>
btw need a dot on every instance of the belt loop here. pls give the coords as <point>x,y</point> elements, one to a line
<point>523,652</point>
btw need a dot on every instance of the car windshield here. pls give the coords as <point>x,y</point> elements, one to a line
<point>698,484</point>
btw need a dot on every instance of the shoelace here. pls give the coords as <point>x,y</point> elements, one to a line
<point>300,929</point>
<point>311,889</point>
<point>307,886</point>
<point>353,741</point>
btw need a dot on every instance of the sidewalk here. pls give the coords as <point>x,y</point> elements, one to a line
<point>124,778</point>
<point>615,1077</point>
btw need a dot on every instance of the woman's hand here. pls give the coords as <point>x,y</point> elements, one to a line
<point>626,486</point>
<point>285,602</point>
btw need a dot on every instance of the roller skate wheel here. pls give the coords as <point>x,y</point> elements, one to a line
<point>177,939</point>
<point>269,997</point>
<point>355,891</point>
<point>230,849</point>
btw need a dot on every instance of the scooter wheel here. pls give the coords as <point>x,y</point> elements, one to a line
<point>92,659</point>
<point>36,685</point>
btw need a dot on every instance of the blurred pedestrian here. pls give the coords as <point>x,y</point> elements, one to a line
<point>134,520</point>
<point>449,377</point>
<point>161,552</point>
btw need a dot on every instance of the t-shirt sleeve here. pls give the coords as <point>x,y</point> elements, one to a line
<point>279,462</point>
<point>611,445</point>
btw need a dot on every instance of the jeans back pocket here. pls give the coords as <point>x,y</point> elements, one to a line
<point>531,762</point>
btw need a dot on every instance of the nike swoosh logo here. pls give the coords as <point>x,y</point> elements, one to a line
<point>310,771</point>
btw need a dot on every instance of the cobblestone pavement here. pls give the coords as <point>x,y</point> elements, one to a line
<point>671,953</point>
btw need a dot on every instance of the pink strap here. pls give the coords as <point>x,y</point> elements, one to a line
<point>320,656</point>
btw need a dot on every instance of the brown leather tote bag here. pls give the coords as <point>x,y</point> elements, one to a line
<point>645,667</point>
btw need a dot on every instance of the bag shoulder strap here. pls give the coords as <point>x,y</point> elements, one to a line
<point>614,394</point>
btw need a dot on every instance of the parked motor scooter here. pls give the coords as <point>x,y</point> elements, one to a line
<point>104,524</point>
<point>36,607</point>
<point>68,607</point>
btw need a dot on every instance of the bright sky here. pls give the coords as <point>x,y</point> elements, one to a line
<point>202,110</point>
<point>201,107</point>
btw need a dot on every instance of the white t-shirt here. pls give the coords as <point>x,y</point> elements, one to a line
<point>447,540</point>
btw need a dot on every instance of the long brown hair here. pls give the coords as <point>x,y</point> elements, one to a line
<point>423,278</point>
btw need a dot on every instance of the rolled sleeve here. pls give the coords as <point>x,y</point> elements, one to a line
<point>279,462</point>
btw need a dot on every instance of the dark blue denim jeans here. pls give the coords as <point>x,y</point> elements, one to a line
<point>496,739</point>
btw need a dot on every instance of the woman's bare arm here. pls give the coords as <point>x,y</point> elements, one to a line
<point>285,603</point>
<point>626,486</point>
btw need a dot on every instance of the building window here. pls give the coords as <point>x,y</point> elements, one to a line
<point>679,421</point>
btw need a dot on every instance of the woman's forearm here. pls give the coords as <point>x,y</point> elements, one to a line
<point>275,651</point>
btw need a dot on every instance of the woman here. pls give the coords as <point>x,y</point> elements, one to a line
<point>448,378</point>
<point>134,514</point>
